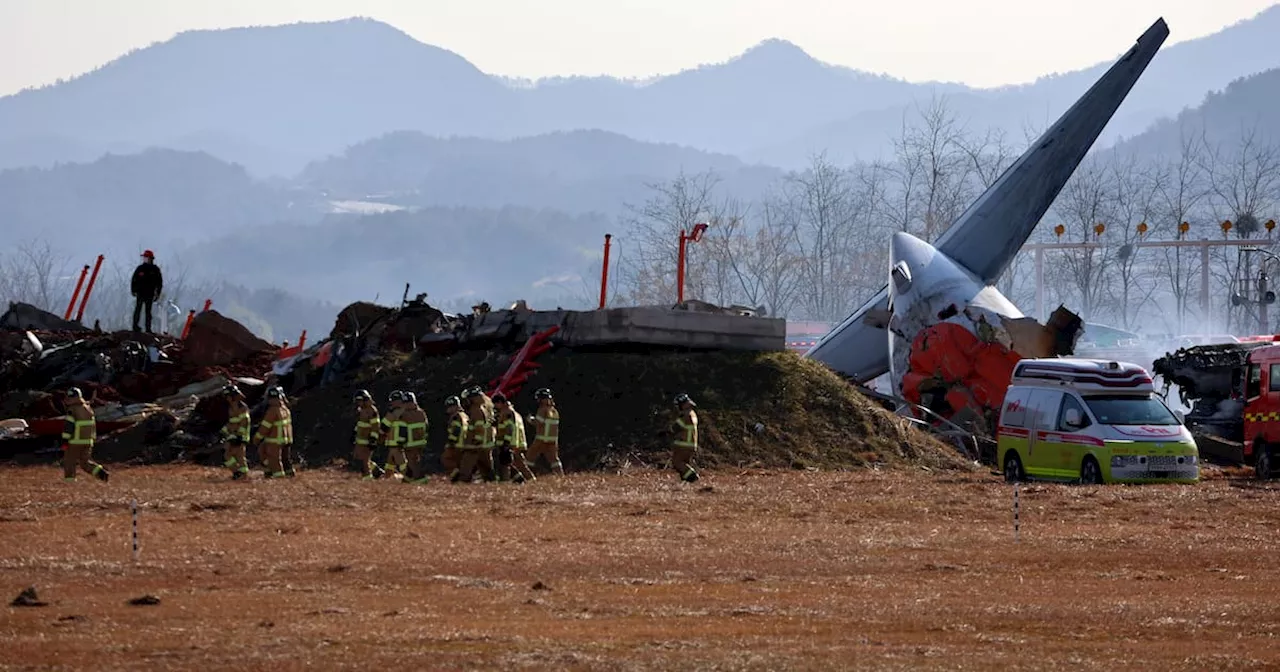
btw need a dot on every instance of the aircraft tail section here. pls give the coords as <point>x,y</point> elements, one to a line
<point>986,237</point>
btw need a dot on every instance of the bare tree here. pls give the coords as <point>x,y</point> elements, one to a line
<point>989,156</point>
<point>32,272</point>
<point>647,275</point>
<point>1082,205</point>
<point>825,206</point>
<point>1180,188</point>
<point>1133,203</point>
<point>934,170</point>
<point>1243,184</point>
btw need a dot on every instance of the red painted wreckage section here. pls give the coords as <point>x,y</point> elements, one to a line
<point>971,374</point>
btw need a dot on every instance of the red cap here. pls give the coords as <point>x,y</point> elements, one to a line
<point>149,254</point>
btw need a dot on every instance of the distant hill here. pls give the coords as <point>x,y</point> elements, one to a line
<point>154,198</point>
<point>303,88</point>
<point>270,98</point>
<point>494,254</point>
<point>578,172</point>
<point>1179,77</point>
<point>1249,103</point>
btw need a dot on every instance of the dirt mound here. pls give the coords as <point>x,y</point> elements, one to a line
<point>216,340</point>
<point>764,409</point>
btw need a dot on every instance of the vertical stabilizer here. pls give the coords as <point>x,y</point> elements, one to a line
<point>989,234</point>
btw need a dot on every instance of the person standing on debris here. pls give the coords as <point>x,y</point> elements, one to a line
<point>511,441</point>
<point>414,420</point>
<point>367,430</point>
<point>79,433</point>
<point>685,444</point>
<point>273,434</point>
<point>546,438</point>
<point>235,434</point>
<point>455,436</point>
<point>391,429</point>
<point>146,285</point>
<point>477,452</point>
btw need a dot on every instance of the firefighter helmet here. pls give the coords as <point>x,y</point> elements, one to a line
<point>542,393</point>
<point>74,393</point>
<point>682,399</point>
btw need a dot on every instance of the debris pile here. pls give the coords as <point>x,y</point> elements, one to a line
<point>755,409</point>
<point>157,399</point>
<point>1209,383</point>
<point>960,367</point>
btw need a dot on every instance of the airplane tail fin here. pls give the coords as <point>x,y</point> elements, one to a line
<point>985,238</point>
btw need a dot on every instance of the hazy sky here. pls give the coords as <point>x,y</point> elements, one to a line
<point>979,42</point>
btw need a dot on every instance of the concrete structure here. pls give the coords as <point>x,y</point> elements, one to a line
<point>985,238</point>
<point>651,326</point>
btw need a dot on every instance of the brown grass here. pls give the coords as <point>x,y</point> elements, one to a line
<point>755,409</point>
<point>745,570</point>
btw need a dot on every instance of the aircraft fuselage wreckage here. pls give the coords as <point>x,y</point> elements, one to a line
<point>947,337</point>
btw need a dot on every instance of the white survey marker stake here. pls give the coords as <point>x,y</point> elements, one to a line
<point>1016,538</point>
<point>133,505</point>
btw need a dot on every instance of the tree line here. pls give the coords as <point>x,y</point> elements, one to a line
<point>815,246</point>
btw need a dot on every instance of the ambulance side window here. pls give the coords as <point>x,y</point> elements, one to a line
<point>1273,384</point>
<point>1253,387</point>
<point>1069,402</point>
<point>1015,408</point>
<point>1046,405</point>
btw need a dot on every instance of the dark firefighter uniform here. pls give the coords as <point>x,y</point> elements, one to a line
<point>685,444</point>
<point>546,433</point>
<point>393,465</point>
<point>455,436</point>
<point>368,426</point>
<point>235,434</point>
<point>79,433</point>
<point>477,452</point>
<point>275,431</point>
<point>414,421</point>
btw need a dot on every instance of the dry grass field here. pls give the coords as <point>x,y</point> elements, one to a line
<point>760,570</point>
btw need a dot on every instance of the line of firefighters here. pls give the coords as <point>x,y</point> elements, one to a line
<point>488,425</point>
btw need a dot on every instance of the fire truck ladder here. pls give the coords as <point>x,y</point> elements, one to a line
<point>522,364</point>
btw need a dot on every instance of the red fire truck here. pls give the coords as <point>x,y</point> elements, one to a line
<point>1233,390</point>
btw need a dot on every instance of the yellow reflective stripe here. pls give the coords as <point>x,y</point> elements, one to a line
<point>414,442</point>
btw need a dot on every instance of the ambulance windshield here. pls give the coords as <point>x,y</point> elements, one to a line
<point>1130,410</point>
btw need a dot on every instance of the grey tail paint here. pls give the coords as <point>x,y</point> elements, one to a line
<point>987,236</point>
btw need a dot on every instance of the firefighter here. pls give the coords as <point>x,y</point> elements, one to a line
<point>477,451</point>
<point>367,430</point>
<point>286,448</point>
<point>78,435</point>
<point>546,438</point>
<point>511,443</point>
<point>414,421</point>
<point>235,434</point>
<point>393,465</point>
<point>685,444</point>
<point>274,432</point>
<point>455,436</point>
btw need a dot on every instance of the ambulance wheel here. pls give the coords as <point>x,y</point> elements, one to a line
<point>1013,468</point>
<point>1090,472</point>
<point>1262,467</point>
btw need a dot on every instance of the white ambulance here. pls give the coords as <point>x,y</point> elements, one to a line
<point>1091,420</point>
